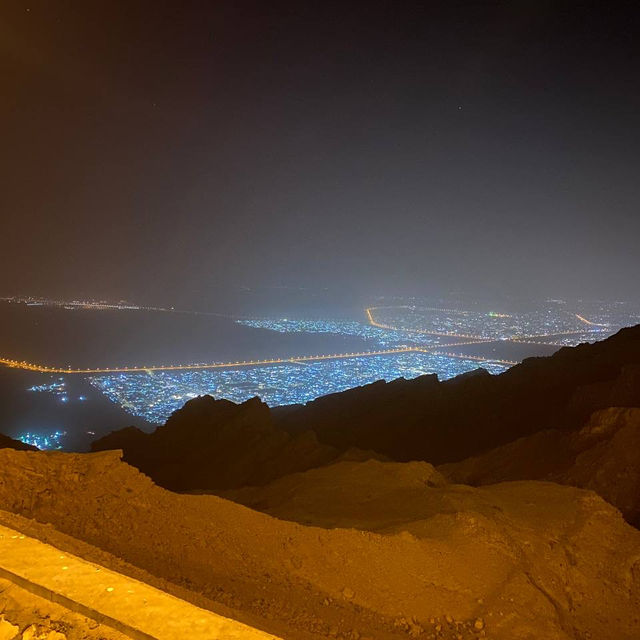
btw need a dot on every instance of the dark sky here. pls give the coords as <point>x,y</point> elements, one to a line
<point>157,148</point>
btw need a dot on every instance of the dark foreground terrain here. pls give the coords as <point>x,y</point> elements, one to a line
<point>216,444</point>
<point>330,520</point>
<point>357,549</point>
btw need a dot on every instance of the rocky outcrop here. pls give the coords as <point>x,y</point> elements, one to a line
<point>394,553</point>
<point>10,443</point>
<point>216,444</point>
<point>603,456</point>
<point>607,459</point>
<point>424,419</point>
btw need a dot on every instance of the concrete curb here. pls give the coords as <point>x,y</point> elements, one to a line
<point>128,606</point>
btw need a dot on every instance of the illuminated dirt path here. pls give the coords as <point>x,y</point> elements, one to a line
<point>131,607</point>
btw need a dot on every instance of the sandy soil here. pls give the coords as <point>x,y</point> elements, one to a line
<point>421,559</point>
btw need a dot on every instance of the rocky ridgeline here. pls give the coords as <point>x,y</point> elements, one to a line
<point>440,422</point>
<point>219,444</point>
<point>216,444</point>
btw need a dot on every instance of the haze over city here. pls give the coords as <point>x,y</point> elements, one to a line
<point>167,152</point>
<point>319,320</point>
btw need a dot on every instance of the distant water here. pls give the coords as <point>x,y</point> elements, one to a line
<point>107,338</point>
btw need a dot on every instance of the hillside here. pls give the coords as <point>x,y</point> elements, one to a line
<point>424,419</point>
<point>216,443</point>
<point>310,536</point>
<point>10,443</point>
<point>420,559</point>
<point>604,456</point>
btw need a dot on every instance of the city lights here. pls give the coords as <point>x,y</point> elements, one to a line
<point>154,396</point>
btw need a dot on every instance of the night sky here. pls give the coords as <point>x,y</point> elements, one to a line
<point>169,149</point>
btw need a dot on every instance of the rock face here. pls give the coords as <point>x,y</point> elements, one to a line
<point>608,459</point>
<point>603,456</point>
<point>420,558</point>
<point>448,421</point>
<point>10,443</point>
<point>218,444</point>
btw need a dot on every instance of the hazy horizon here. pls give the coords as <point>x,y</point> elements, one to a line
<point>170,153</point>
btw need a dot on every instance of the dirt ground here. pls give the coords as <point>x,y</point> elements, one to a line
<point>388,549</point>
<point>37,618</point>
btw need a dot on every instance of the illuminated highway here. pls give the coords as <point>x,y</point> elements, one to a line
<point>465,339</point>
<point>398,342</point>
<point>524,338</point>
<point>593,324</point>
<point>216,365</point>
<point>476,358</point>
<point>375,323</point>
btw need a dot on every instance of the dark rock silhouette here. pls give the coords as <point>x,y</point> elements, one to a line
<point>10,443</point>
<point>424,419</point>
<point>219,444</point>
<point>216,444</point>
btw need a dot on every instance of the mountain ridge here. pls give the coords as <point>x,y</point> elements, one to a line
<point>216,444</point>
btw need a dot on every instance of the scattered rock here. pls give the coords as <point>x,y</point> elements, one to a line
<point>603,455</point>
<point>358,511</point>
<point>8,631</point>
<point>40,632</point>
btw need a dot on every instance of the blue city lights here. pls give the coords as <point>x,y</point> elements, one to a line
<point>375,336</point>
<point>441,332</point>
<point>154,396</point>
<point>43,441</point>
<point>57,387</point>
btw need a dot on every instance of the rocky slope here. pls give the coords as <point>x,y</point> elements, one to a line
<point>424,419</point>
<point>218,444</point>
<point>419,558</point>
<point>604,456</point>
<point>10,443</point>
